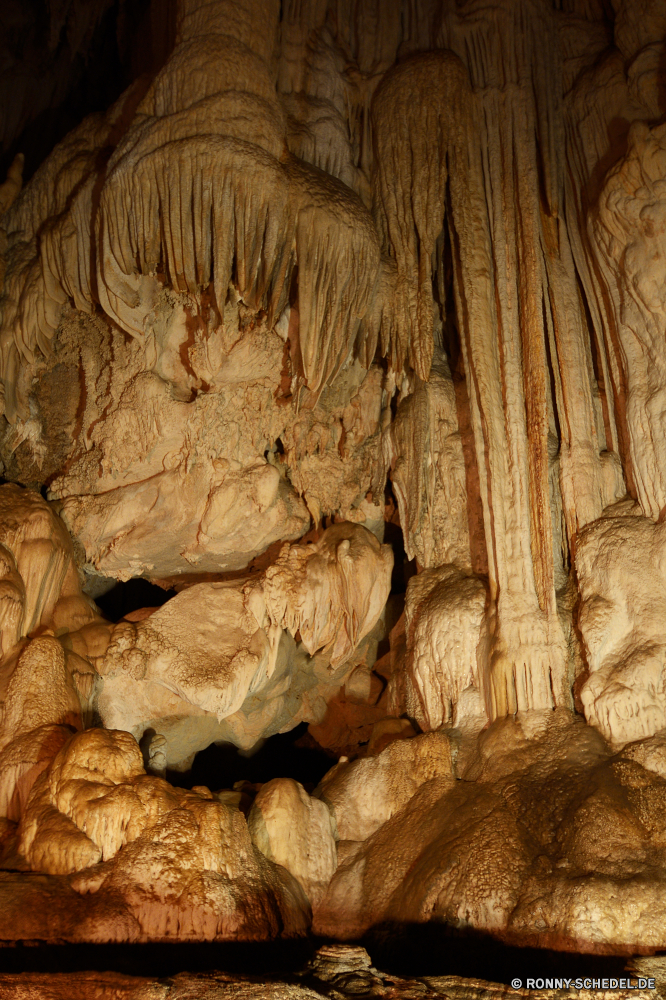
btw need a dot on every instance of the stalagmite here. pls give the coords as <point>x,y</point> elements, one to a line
<point>332,365</point>
<point>295,831</point>
<point>428,473</point>
<point>206,877</point>
<point>620,568</point>
<point>447,629</point>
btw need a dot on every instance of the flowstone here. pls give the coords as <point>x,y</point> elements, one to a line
<point>343,322</point>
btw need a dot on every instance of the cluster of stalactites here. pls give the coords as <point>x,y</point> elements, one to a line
<point>332,591</point>
<point>200,191</point>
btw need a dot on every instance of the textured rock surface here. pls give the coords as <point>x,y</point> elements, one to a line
<point>297,832</point>
<point>336,971</point>
<point>620,568</point>
<point>330,278</point>
<point>365,793</point>
<point>218,661</point>
<point>544,827</point>
<point>161,862</point>
<point>447,665</point>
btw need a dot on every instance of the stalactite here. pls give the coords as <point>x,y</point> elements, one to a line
<point>242,209</point>
<point>344,273</point>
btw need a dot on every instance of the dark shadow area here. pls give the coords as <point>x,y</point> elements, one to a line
<point>63,70</point>
<point>279,756</point>
<point>435,949</point>
<point>272,958</point>
<point>411,950</point>
<point>403,568</point>
<point>131,596</point>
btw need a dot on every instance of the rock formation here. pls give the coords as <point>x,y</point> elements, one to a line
<point>183,865</point>
<point>344,326</point>
<point>542,828</point>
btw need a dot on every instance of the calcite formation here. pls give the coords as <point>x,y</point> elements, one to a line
<point>345,323</point>
<point>182,864</point>
<point>542,828</point>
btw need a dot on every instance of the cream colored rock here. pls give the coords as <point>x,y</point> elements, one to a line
<point>47,685</point>
<point>545,826</point>
<point>22,760</point>
<point>183,865</point>
<point>626,231</point>
<point>40,584</point>
<point>448,640</point>
<point>39,690</point>
<point>336,449</point>
<point>366,240</point>
<point>495,270</point>
<point>215,523</point>
<point>428,472</point>
<point>202,338</point>
<point>296,831</point>
<point>620,564</point>
<point>332,591</point>
<point>180,425</point>
<point>366,793</point>
<point>214,662</point>
<point>205,646</point>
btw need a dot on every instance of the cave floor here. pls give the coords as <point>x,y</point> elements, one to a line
<point>334,971</point>
<point>227,986</point>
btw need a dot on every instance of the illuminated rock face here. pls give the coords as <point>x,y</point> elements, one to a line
<point>544,827</point>
<point>620,566</point>
<point>219,661</point>
<point>182,865</point>
<point>364,263</point>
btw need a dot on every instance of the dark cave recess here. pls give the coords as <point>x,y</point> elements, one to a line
<point>409,950</point>
<point>294,755</point>
<point>131,595</point>
<point>64,61</point>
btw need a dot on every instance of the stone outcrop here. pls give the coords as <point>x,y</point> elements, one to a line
<point>344,324</point>
<point>164,863</point>
<point>543,826</point>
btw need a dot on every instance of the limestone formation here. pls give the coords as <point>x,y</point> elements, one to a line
<point>428,472</point>
<point>364,794</point>
<point>296,831</point>
<point>446,672</point>
<point>544,827</point>
<point>342,322</point>
<point>620,567</point>
<point>182,865</point>
<point>218,661</point>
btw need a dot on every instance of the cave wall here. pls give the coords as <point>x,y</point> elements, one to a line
<point>326,268</point>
